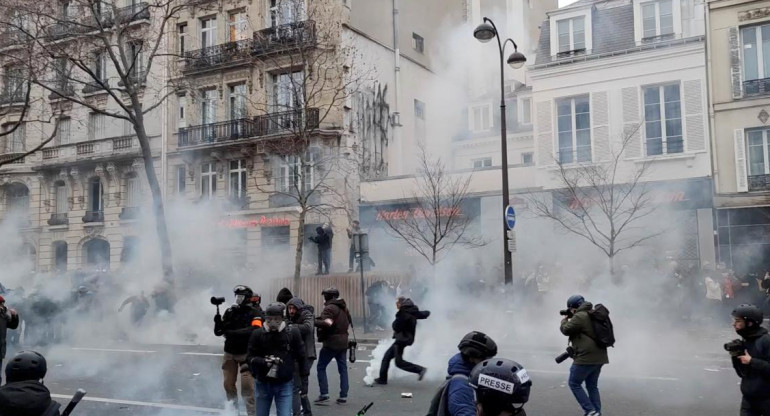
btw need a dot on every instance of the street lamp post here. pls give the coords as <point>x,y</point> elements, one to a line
<point>484,33</point>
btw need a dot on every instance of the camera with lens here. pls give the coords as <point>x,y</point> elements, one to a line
<point>566,312</point>
<point>273,363</point>
<point>217,301</point>
<point>352,345</point>
<point>569,353</point>
<point>736,348</point>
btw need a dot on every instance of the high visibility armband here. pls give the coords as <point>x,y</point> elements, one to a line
<point>256,322</point>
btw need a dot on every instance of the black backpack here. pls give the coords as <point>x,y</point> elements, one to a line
<point>604,336</point>
<point>439,406</point>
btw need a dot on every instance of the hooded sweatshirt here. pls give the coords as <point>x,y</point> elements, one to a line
<point>405,325</point>
<point>334,337</point>
<point>24,398</point>
<point>304,320</point>
<point>284,296</point>
<point>459,391</point>
<point>755,377</point>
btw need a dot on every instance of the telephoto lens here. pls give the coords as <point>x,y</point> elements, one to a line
<point>561,357</point>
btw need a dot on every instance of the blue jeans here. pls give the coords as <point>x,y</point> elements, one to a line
<point>267,392</point>
<point>589,374</point>
<point>324,358</point>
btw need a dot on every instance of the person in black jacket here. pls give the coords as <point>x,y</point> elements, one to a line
<point>753,366</point>
<point>24,393</point>
<point>302,316</point>
<point>274,351</point>
<point>333,333</point>
<point>404,331</point>
<point>324,243</point>
<point>237,324</point>
<point>9,319</point>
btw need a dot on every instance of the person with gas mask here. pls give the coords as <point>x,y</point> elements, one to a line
<point>237,325</point>
<point>302,316</point>
<point>333,333</point>
<point>751,360</point>
<point>274,350</point>
<point>501,387</point>
<point>24,392</point>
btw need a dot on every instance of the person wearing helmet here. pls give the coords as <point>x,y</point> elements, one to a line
<point>588,357</point>
<point>333,334</point>
<point>753,366</point>
<point>501,387</point>
<point>274,351</point>
<point>24,392</point>
<point>9,319</point>
<point>237,325</point>
<point>302,316</point>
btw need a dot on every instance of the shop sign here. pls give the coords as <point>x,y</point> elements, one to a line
<point>263,221</point>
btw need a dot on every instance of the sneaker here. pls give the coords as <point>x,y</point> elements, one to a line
<point>322,400</point>
<point>422,374</point>
<point>342,400</point>
<point>593,413</point>
<point>380,381</point>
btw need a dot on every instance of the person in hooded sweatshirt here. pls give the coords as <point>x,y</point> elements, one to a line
<point>24,393</point>
<point>753,366</point>
<point>475,347</point>
<point>284,296</point>
<point>404,331</point>
<point>302,316</point>
<point>333,333</point>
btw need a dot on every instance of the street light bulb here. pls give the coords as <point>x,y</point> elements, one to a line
<point>517,60</point>
<point>484,32</point>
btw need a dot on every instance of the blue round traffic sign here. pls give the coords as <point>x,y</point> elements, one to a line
<point>510,217</point>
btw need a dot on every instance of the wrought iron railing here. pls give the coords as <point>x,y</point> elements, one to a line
<point>94,216</point>
<point>18,95</point>
<point>59,219</point>
<point>284,37</point>
<point>759,183</point>
<point>12,37</point>
<point>756,87</point>
<point>218,55</point>
<point>216,132</point>
<point>292,121</point>
<point>92,88</point>
<point>138,11</point>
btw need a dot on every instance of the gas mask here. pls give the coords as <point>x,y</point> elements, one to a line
<point>274,324</point>
<point>239,299</point>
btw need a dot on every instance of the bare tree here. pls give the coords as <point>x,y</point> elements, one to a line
<point>432,220</point>
<point>602,202</point>
<point>311,165</point>
<point>82,48</point>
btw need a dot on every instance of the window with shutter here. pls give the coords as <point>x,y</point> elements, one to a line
<point>62,198</point>
<point>574,129</point>
<point>132,191</point>
<point>740,161</point>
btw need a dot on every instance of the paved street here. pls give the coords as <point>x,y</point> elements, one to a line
<point>181,380</point>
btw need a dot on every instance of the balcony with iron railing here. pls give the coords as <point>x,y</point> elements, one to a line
<point>286,37</point>
<point>93,88</point>
<point>13,95</point>
<point>122,146</point>
<point>759,183</point>
<point>278,123</point>
<point>59,219</point>
<point>12,37</point>
<point>61,89</point>
<point>756,87</point>
<point>217,56</point>
<point>132,13</point>
<point>93,216</point>
<point>69,26</point>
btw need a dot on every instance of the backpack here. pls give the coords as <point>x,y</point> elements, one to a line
<point>439,405</point>
<point>604,336</point>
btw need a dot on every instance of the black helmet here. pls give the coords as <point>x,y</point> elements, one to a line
<point>275,309</point>
<point>748,313</point>
<point>575,301</point>
<point>243,290</point>
<point>500,385</point>
<point>477,345</point>
<point>330,293</point>
<point>26,365</point>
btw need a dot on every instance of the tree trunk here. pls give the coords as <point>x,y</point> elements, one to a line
<point>157,197</point>
<point>300,244</point>
<point>613,275</point>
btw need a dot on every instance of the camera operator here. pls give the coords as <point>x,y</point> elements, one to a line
<point>588,357</point>
<point>237,324</point>
<point>751,360</point>
<point>501,387</point>
<point>9,319</point>
<point>274,351</point>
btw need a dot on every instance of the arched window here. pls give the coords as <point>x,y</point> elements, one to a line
<point>18,198</point>
<point>97,254</point>
<point>60,256</point>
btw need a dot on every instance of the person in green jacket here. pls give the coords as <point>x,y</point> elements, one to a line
<point>588,358</point>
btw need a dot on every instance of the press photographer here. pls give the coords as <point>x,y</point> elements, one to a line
<point>751,360</point>
<point>589,331</point>
<point>274,351</point>
<point>237,324</point>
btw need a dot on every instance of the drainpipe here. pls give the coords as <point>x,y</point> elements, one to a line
<point>709,95</point>
<point>164,135</point>
<point>395,162</point>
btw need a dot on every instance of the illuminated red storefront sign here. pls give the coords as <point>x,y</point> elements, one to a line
<point>404,214</point>
<point>253,223</point>
<point>660,197</point>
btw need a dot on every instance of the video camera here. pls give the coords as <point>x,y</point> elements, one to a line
<point>736,348</point>
<point>217,301</point>
<point>569,353</point>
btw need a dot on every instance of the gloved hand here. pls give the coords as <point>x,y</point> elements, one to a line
<point>217,319</point>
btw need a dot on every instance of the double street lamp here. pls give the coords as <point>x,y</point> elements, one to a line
<point>484,33</point>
